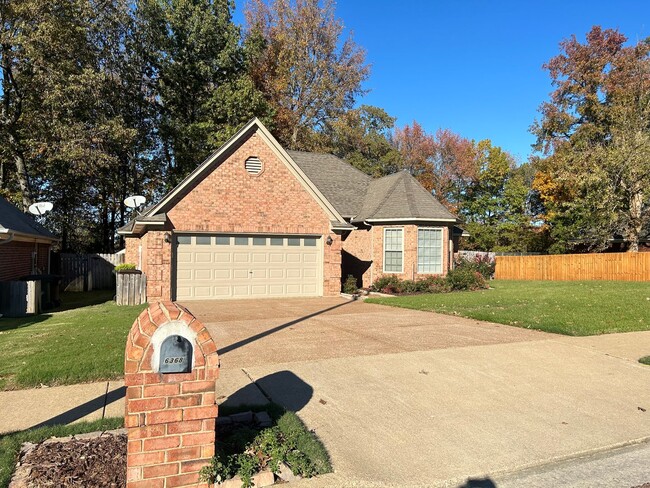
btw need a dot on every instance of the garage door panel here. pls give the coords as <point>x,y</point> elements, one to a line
<point>222,274</point>
<point>184,274</point>
<point>241,257</point>
<point>309,289</point>
<point>203,257</point>
<point>259,290</point>
<point>240,291</point>
<point>276,274</point>
<point>203,274</point>
<point>240,274</point>
<point>221,291</point>
<point>293,257</point>
<point>219,268</point>
<point>309,273</point>
<point>184,257</point>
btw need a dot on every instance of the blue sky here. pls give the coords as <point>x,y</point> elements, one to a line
<point>473,66</point>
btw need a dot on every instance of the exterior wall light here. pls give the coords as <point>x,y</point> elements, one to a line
<point>329,240</point>
<point>168,238</point>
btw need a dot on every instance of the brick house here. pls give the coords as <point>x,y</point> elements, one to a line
<point>255,220</point>
<point>24,244</point>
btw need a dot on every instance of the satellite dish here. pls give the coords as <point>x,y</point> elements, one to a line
<point>134,201</point>
<point>40,208</point>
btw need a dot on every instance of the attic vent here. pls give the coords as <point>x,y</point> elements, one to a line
<point>253,165</point>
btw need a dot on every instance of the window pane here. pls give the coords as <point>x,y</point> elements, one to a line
<point>393,250</point>
<point>277,241</point>
<point>203,240</point>
<point>430,251</point>
<point>293,241</point>
<point>310,241</point>
<point>223,240</point>
<point>259,241</point>
<point>241,241</point>
<point>184,239</point>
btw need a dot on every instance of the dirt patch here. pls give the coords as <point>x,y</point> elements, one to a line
<point>73,462</point>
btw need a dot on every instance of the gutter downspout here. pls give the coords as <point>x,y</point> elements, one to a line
<point>8,233</point>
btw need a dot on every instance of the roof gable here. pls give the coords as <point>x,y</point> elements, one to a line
<point>254,126</point>
<point>13,220</point>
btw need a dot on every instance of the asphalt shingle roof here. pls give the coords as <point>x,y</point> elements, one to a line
<point>341,183</point>
<point>14,220</point>
<point>400,196</point>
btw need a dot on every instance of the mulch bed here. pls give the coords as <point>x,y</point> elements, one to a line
<point>98,461</point>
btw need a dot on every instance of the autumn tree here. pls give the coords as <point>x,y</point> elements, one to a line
<point>307,72</point>
<point>362,137</point>
<point>444,162</point>
<point>595,135</point>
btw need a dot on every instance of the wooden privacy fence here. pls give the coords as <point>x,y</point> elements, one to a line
<point>86,272</point>
<point>131,288</point>
<point>574,267</point>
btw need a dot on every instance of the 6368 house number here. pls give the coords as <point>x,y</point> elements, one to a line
<point>172,360</point>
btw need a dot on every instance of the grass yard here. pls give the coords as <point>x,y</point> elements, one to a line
<point>575,308</point>
<point>74,345</point>
<point>10,443</point>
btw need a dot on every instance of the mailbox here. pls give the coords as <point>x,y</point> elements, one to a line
<point>175,355</point>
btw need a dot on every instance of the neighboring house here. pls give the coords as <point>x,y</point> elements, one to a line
<point>255,220</point>
<point>24,244</point>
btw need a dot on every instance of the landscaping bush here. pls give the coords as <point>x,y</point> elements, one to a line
<point>465,278</point>
<point>350,285</point>
<point>124,267</point>
<point>247,451</point>
<point>386,284</point>
<point>480,264</point>
<point>461,278</point>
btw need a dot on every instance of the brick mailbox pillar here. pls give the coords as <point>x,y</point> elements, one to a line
<point>170,369</point>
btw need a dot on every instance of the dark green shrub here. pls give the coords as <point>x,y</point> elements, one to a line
<point>386,284</point>
<point>350,285</point>
<point>465,278</point>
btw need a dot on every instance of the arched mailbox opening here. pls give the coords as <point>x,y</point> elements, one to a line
<point>175,355</point>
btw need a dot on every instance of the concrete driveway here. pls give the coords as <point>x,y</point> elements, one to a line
<point>406,398</point>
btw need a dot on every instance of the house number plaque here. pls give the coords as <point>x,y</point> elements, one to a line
<point>175,355</point>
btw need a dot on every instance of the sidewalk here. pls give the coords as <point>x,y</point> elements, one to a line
<point>24,409</point>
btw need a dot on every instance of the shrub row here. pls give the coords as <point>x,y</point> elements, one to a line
<point>458,279</point>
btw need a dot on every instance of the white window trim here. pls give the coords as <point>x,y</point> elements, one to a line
<point>442,250</point>
<point>384,250</point>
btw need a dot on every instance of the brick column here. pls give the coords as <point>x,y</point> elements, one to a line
<point>170,417</point>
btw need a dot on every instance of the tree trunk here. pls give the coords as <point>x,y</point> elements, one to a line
<point>21,172</point>
<point>294,137</point>
<point>636,222</point>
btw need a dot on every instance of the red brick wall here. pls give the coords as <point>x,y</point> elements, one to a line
<point>16,259</point>
<point>131,246</point>
<point>357,256</point>
<point>231,200</point>
<point>170,417</point>
<point>410,252</point>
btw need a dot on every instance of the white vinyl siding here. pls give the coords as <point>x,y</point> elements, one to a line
<point>430,250</point>
<point>393,250</point>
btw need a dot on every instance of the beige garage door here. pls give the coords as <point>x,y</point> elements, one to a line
<point>229,266</point>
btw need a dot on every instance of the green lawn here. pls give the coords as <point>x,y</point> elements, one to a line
<point>10,443</point>
<point>83,342</point>
<point>563,307</point>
